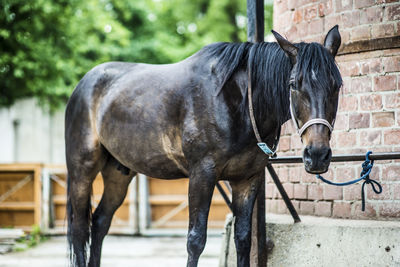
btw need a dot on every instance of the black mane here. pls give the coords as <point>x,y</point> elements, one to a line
<point>270,69</point>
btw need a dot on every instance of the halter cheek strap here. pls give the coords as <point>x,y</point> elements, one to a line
<point>308,123</point>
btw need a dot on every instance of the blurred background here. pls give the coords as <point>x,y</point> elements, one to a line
<point>47,46</point>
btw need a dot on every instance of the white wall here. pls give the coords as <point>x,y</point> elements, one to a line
<point>28,133</point>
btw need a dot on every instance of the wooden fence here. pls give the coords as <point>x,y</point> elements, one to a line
<point>36,194</point>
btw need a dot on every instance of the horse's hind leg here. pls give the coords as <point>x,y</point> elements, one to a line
<point>115,188</point>
<point>83,163</point>
<point>243,197</point>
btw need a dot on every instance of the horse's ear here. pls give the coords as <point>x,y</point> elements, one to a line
<point>286,46</point>
<point>333,40</point>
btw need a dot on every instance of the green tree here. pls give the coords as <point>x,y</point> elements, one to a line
<point>48,45</point>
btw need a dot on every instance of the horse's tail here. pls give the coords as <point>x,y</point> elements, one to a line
<point>69,227</point>
<point>70,232</point>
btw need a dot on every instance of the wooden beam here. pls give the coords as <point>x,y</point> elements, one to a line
<point>370,45</point>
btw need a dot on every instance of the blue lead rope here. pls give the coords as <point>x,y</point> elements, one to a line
<point>367,168</point>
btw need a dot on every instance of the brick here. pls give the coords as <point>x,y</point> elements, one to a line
<point>371,66</point>
<point>323,208</point>
<point>350,19</point>
<point>391,137</point>
<point>297,16</point>
<point>391,64</point>
<point>272,206</point>
<point>361,33</point>
<point>300,191</point>
<point>352,192</point>
<point>391,173</point>
<point>302,29</point>
<point>333,192</point>
<point>315,192</point>
<point>393,13</point>
<point>283,174</point>
<point>389,210</point>
<point>382,30</point>
<point>383,119</point>
<point>346,139</point>
<point>349,68</point>
<point>331,21</point>
<point>316,26</point>
<point>284,143</point>
<point>325,8</point>
<point>370,211</point>
<point>385,83</point>
<point>344,173</point>
<point>371,15</point>
<point>280,6</point>
<point>341,121</point>
<point>342,5</point>
<point>363,3</point>
<point>341,210</point>
<point>359,120</point>
<point>371,102</point>
<point>296,142</point>
<point>396,191</point>
<point>269,190</point>
<point>361,85</point>
<point>307,178</point>
<point>282,209</point>
<point>295,174</point>
<point>310,12</point>
<point>307,207</point>
<point>385,195</point>
<point>370,138</point>
<point>289,189</point>
<point>348,103</point>
<point>292,4</point>
<point>392,100</point>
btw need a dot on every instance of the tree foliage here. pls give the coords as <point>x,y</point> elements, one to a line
<point>48,45</point>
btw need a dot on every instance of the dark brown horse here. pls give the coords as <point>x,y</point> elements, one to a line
<point>191,119</point>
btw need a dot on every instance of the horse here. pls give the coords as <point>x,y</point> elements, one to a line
<point>192,119</point>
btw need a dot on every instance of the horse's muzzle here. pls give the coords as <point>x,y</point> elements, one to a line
<point>317,159</point>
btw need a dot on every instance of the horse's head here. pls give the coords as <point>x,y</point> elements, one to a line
<point>314,90</point>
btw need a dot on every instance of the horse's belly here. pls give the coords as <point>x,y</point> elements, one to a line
<point>153,153</point>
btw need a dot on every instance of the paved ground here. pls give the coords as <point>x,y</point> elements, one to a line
<point>119,251</point>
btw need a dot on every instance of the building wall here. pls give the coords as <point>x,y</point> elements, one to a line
<point>369,107</point>
<point>28,133</point>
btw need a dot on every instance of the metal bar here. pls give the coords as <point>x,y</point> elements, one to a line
<point>255,33</point>
<point>340,158</point>
<point>283,193</point>
<point>224,196</point>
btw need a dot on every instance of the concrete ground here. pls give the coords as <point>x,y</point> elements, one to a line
<point>119,251</point>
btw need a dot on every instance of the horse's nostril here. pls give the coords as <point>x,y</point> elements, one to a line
<point>328,155</point>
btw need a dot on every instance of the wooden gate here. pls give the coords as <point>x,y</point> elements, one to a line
<point>20,195</point>
<point>36,194</point>
<point>55,199</point>
<point>169,205</point>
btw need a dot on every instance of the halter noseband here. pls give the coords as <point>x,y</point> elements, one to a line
<point>301,130</point>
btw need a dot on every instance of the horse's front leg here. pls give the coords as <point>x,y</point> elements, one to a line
<point>244,193</point>
<point>202,181</point>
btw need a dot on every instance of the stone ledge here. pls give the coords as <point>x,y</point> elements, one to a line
<point>318,241</point>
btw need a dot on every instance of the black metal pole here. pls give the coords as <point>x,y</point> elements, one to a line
<point>283,193</point>
<point>340,158</point>
<point>224,196</point>
<point>255,33</point>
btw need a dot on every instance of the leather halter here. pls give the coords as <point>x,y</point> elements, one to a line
<point>263,146</point>
<point>301,130</point>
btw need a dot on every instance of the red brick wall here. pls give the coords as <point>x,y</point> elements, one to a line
<point>369,109</point>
